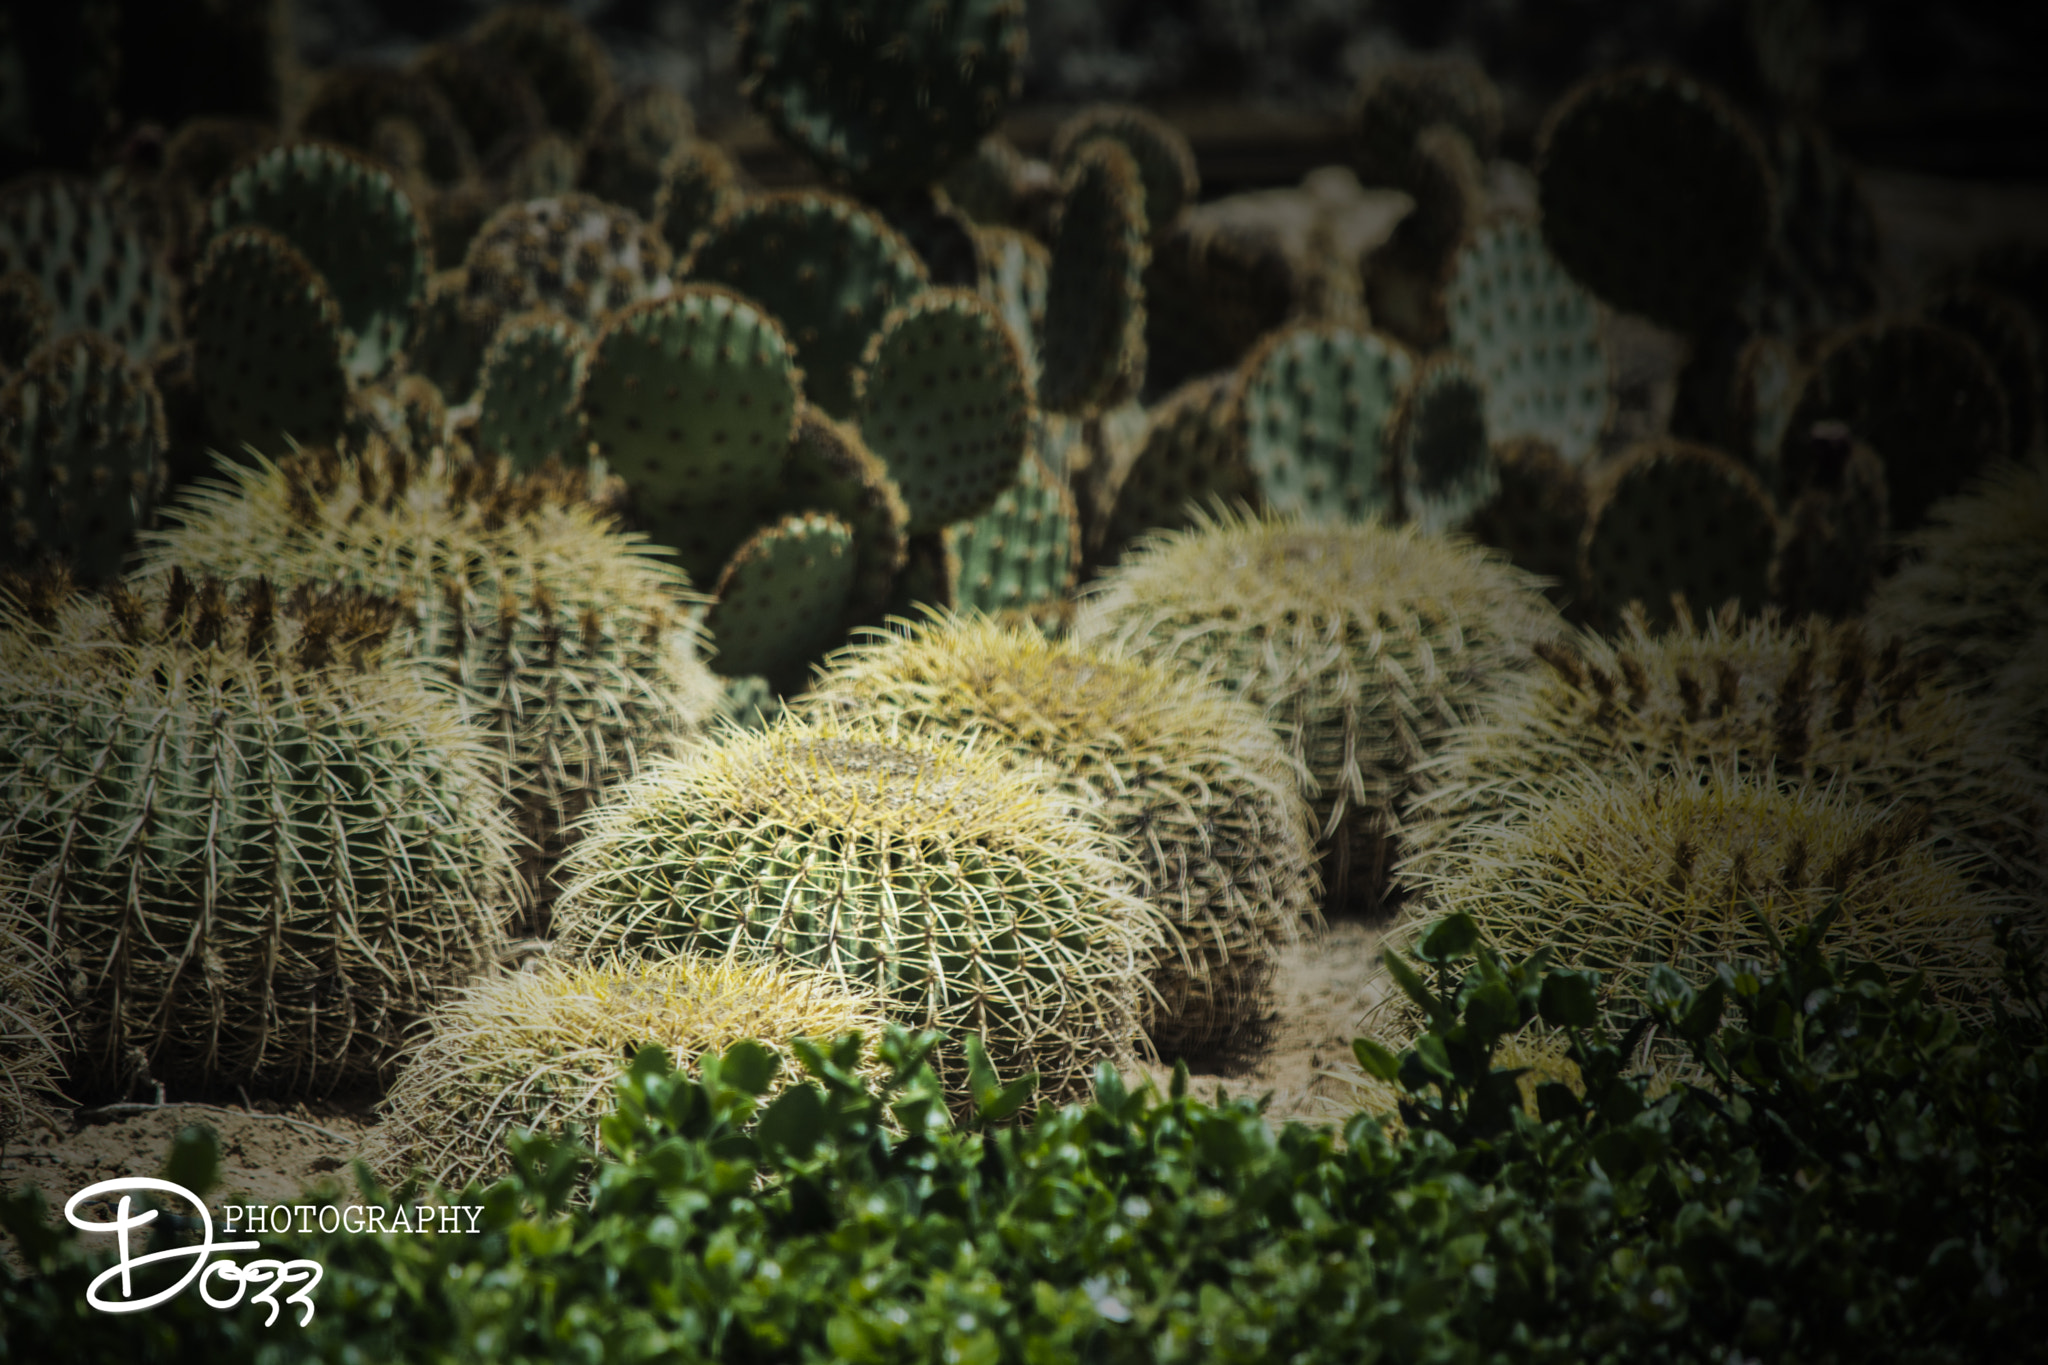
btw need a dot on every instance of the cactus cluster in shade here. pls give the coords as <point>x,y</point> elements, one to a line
<point>544,1047</point>
<point>1199,788</point>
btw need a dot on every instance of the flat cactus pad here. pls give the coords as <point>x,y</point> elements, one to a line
<point>1315,404</point>
<point>782,600</point>
<point>1675,518</point>
<point>268,343</point>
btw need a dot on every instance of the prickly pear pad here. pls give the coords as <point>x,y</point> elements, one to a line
<point>1438,440</point>
<point>944,878</point>
<point>267,343</point>
<point>885,94</point>
<point>532,379</point>
<point>81,447</point>
<point>1166,163</point>
<point>572,252</point>
<point>782,600</point>
<point>825,267</point>
<point>942,399</point>
<point>1024,551</point>
<point>692,399</point>
<point>353,224</point>
<point>1315,403</point>
<point>831,470</point>
<point>1094,349</point>
<point>26,317</point>
<point>1672,517</point>
<point>92,261</point>
<point>1191,456</point>
<point>1535,337</point>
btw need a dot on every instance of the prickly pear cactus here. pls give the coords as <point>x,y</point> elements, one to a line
<point>1315,403</point>
<point>1923,396</point>
<point>545,1048</point>
<point>26,317</point>
<point>1365,645</point>
<point>1672,519</point>
<point>451,334</point>
<point>407,411</point>
<point>1535,338</point>
<point>698,184</point>
<point>558,55</point>
<point>572,647</point>
<point>532,381</point>
<point>692,399</point>
<point>1538,516</point>
<point>1437,444</point>
<point>1656,195</point>
<point>882,115</point>
<point>930,573</point>
<point>1796,700</point>
<point>833,847</point>
<point>268,344</point>
<point>1166,163</point>
<point>1193,780</point>
<point>353,224</point>
<point>1763,388</point>
<point>624,156</point>
<point>302,848</point>
<point>1836,530</point>
<point>573,253</point>
<point>1094,348</point>
<point>832,470</point>
<point>1013,272</point>
<point>1024,552</point>
<point>825,267</point>
<point>405,122</point>
<point>92,261</point>
<point>1825,265</point>
<point>782,600</point>
<point>1191,457</point>
<point>941,398</point>
<point>2006,332</point>
<point>492,98</point>
<point>81,455</point>
<point>1396,104</point>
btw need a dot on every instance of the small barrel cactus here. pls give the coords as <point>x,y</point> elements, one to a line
<point>950,883</point>
<point>301,847</point>
<point>1194,781</point>
<point>545,1047</point>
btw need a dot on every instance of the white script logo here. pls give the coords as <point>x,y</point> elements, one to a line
<point>268,1276</point>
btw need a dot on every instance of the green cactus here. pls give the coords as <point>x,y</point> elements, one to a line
<point>573,253</point>
<point>831,470</point>
<point>268,344</point>
<point>1923,396</point>
<point>927,581</point>
<point>1970,590</point>
<point>572,647</point>
<point>988,182</point>
<point>407,411</point>
<point>1365,645</point>
<point>1656,195</point>
<point>1672,519</point>
<point>1024,551</point>
<point>558,55</point>
<point>945,880</point>
<point>353,224</point>
<point>1836,531</point>
<point>750,703</point>
<point>363,107</point>
<point>1824,269</point>
<point>1535,337</point>
<point>451,334</point>
<point>301,847</point>
<point>532,381</point>
<point>1192,780</point>
<point>1765,384</point>
<point>882,116</point>
<point>26,317</point>
<point>544,168</point>
<point>92,261</point>
<point>625,156</point>
<point>825,267</point>
<point>547,1047</point>
<point>692,399</point>
<point>1166,163</point>
<point>34,1035</point>
<point>1395,105</point>
<point>2010,338</point>
<point>782,599</point>
<point>1538,516</point>
<point>1444,467</point>
<point>1617,874</point>
<point>1191,457</point>
<point>81,455</point>
<point>941,398</point>
<point>1013,272</point>
<point>1800,700</point>
<point>698,183</point>
<point>1314,404</point>
<point>1094,346</point>
<point>489,96</point>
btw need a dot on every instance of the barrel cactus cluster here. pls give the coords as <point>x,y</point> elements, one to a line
<point>490,585</point>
